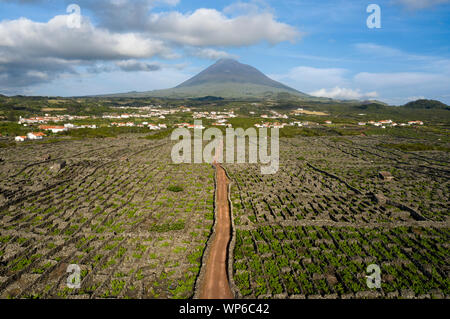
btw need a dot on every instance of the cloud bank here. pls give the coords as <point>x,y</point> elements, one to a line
<point>125,35</point>
<point>344,94</point>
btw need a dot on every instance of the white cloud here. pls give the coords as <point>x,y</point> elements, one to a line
<point>343,94</point>
<point>115,81</point>
<point>127,31</point>
<point>37,74</point>
<point>239,24</point>
<point>210,54</point>
<point>122,15</point>
<point>398,86</point>
<point>56,39</point>
<point>415,98</point>
<point>340,83</point>
<point>33,52</point>
<point>335,83</point>
<point>134,66</point>
<point>209,27</point>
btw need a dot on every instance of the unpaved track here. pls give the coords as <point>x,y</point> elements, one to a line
<point>215,283</point>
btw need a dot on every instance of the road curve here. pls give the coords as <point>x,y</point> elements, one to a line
<point>215,282</point>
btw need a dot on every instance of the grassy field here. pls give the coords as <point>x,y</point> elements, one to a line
<point>111,201</point>
<point>312,229</point>
<point>136,225</point>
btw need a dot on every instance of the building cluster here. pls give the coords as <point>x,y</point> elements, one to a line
<point>214,115</point>
<point>389,123</point>
<point>55,129</point>
<point>30,136</point>
<point>153,113</point>
<point>63,128</point>
<point>221,118</point>
<point>222,122</point>
<point>283,125</point>
<point>50,119</point>
<point>274,115</point>
<point>150,112</point>
<point>152,127</point>
<point>146,112</point>
<point>143,108</point>
<point>151,108</point>
<point>185,109</point>
<point>191,126</point>
<point>271,125</point>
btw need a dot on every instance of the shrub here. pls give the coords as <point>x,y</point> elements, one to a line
<point>175,189</point>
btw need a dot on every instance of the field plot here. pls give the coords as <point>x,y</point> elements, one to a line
<point>312,229</point>
<point>135,224</point>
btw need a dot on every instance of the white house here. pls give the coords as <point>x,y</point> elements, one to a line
<point>53,129</point>
<point>196,127</point>
<point>35,136</point>
<point>153,127</point>
<point>20,138</point>
<point>69,126</point>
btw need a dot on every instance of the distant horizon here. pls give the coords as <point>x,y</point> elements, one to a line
<point>222,59</point>
<point>323,49</point>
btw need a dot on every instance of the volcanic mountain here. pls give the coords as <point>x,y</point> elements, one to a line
<point>227,78</point>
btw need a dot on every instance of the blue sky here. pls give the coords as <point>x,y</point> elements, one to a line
<point>323,48</point>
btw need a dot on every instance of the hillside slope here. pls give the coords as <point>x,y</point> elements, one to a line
<point>227,78</point>
<point>426,104</point>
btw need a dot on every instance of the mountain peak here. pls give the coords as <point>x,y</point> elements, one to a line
<point>227,60</point>
<point>227,70</point>
<point>228,78</point>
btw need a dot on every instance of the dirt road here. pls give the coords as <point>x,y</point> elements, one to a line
<point>215,283</point>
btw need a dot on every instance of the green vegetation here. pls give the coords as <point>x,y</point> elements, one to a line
<point>322,258</point>
<point>13,129</point>
<point>178,225</point>
<point>175,188</point>
<point>159,135</point>
<point>103,132</point>
<point>426,104</point>
<point>24,262</point>
<point>123,185</point>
